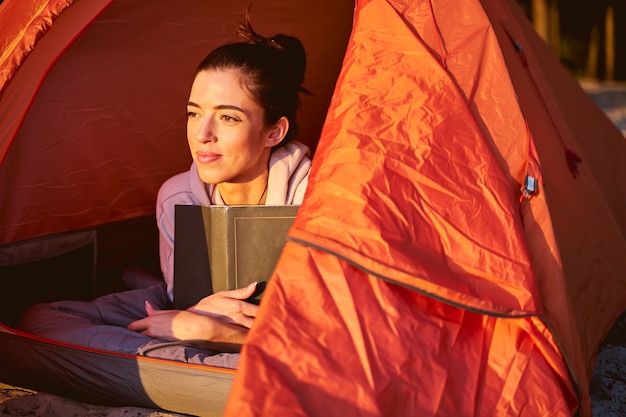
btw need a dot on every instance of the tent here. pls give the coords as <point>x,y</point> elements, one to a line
<point>460,249</point>
<point>92,121</point>
<point>473,260</point>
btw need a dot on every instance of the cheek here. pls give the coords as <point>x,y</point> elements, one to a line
<point>192,132</point>
<point>236,140</point>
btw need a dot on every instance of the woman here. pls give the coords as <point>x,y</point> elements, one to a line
<point>240,124</point>
<point>241,117</point>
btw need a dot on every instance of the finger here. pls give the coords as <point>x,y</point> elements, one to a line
<point>153,311</point>
<point>245,321</point>
<point>150,309</point>
<point>242,293</point>
<point>249,309</point>
<point>137,326</point>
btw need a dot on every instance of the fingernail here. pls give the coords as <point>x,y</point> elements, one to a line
<point>252,284</point>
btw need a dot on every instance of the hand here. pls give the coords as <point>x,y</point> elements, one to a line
<point>229,306</point>
<point>174,325</point>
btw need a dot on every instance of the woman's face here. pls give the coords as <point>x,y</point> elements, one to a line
<point>225,130</point>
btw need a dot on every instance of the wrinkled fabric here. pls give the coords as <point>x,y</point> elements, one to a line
<point>367,347</point>
<point>91,125</point>
<point>23,23</point>
<point>102,324</point>
<point>420,277</point>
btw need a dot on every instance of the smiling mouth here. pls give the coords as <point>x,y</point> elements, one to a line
<point>207,157</point>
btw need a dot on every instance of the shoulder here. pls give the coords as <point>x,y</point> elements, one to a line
<point>293,155</point>
<point>288,175</point>
<point>176,187</point>
<point>294,150</point>
<point>184,188</point>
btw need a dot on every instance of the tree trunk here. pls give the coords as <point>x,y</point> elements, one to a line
<point>554,27</point>
<point>540,18</point>
<point>594,44</point>
<point>609,43</point>
<point>545,17</point>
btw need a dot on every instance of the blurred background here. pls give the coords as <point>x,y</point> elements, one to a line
<point>584,34</point>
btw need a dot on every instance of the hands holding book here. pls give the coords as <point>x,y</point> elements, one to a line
<point>224,317</point>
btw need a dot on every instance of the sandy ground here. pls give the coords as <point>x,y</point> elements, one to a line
<point>611,97</point>
<point>608,384</point>
<point>16,401</point>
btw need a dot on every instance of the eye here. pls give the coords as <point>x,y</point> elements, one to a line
<point>192,114</point>
<point>229,119</point>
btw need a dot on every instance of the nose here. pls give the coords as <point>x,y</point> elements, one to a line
<point>205,131</point>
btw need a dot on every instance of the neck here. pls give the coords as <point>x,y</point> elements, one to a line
<point>254,193</point>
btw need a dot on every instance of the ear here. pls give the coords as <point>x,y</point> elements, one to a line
<point>277,132</point>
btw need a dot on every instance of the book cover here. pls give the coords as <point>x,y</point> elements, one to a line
<point>226,247</point>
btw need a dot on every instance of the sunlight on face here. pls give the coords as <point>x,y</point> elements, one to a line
<point>227,138</point>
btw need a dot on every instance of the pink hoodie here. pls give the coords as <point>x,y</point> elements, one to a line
<point>288,178</point>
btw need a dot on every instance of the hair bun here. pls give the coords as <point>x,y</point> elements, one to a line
<point>295,54</point>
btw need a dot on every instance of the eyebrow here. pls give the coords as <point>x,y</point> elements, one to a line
<point>220,107</point>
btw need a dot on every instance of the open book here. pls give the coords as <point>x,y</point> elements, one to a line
<point>226,247</point>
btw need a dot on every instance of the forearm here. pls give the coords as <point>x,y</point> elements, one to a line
<point>188,326</point>
<point>219,336</point>
<point>206,328</point>
<point>215,330</point>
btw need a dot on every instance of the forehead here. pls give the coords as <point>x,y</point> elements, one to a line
<point>218,87</point>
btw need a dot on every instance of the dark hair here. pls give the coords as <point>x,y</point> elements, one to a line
<point>273,68</point>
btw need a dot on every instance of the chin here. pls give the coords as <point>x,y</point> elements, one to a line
<point>210,178</point>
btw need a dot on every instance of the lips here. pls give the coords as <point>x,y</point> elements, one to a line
<point>204,157</point>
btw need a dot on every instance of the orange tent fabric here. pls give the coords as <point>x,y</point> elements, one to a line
<point>92,121</point>
<point>460,250</point>
<point>422,275</point>
<point>101,82</point>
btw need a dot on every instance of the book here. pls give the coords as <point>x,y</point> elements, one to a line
<point>226,247</point>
